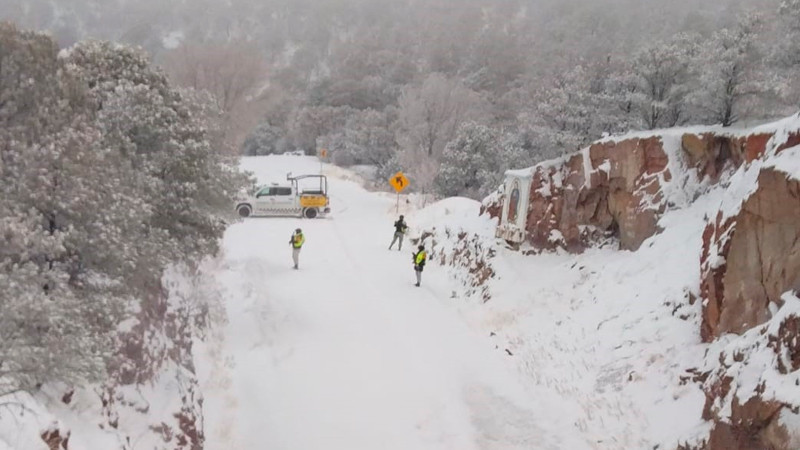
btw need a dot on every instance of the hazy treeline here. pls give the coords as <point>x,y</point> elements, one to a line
<point>481,85</point>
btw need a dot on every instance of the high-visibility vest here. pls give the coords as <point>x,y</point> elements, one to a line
<point>298,240</point>
<point>421,256</point>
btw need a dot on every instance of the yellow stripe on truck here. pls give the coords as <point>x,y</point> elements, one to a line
<point>313,201</point>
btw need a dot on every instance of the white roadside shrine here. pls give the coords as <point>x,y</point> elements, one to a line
<point>513,219</point>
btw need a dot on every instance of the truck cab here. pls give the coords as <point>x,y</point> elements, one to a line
<point>302,196</point>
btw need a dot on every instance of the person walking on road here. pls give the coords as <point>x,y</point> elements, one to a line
<point>419,262</point>
<point>297,242</point>
<point>400,228</point>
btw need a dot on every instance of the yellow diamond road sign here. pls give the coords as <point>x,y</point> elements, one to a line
<point>398,181</point>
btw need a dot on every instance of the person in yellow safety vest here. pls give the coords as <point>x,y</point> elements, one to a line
<point>419,262</point>
<point>297,242</point>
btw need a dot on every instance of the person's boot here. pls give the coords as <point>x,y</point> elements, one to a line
<point>295,267</point>
<point>417,285</point>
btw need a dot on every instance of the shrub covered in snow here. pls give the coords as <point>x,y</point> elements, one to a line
<point>107,177</point>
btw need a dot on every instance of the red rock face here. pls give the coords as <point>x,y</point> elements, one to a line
<point>622,195</point>
<point>752,423</point>
<point>760,248</point>
<point>752,426</point>
<point>755,146</point>
<point>748,261</point>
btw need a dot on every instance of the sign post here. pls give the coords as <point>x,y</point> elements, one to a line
<point>323,154</point>
<point>399,182</point>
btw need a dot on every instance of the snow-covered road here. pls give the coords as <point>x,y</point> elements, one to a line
<point>347,354</point>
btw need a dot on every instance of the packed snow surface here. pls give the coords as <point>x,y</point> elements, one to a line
<point>346,353</point>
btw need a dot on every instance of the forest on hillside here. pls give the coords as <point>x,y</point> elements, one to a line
<point>452,92</point>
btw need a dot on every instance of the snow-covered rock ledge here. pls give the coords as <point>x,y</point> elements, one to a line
<point>620,187</point>
<point>460,238</point>
<point>751,382</point>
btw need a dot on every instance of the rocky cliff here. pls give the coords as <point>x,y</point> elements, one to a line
<point>746,293</point>
<point>750,277</point>
<point>620,187</point>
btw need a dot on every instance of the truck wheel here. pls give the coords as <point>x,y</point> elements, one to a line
<point>244,210</point>
<point>310,213</point>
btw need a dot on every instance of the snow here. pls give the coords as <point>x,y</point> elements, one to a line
<point>173,40</point>
<point>611,331</point>
<point>520,173</point>
<point>569,352</point>
<point>751,362</point>
<point>553,351</point>
<point>22,418</point>
<point>787,161</point>
<point>346,353</point>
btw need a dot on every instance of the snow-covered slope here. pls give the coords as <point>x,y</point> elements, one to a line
<point>610,332</point>
<point>690,341</point>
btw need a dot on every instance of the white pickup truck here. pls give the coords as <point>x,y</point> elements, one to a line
<point>288,200</point>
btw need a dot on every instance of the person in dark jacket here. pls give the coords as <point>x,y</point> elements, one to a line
<point>400,228</point>
<point>420,257</point>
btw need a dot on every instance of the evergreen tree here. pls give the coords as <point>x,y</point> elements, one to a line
<point>107,176</point>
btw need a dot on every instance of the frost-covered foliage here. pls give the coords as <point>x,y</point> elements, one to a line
<point>557,75</point>
<point>730,74</point>
<point>662,73</point>
<point>428,118</point>
<point>788,50</point>
<point>474,162</point>
<point>264,140</point>
<point>581,104</point>
<point>366,138</point>
<point>107,176</point>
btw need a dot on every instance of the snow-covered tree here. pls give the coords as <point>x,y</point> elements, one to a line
<point>788,47</point>
<point>662,72</point>
<point>309,123</point>
<point>472,163</point>
<point>366,138</point>
<point>234,73</point>
<point>785,54</point>
<point>428,118</point>
<point>107,176</point>
<point>63,213</point>
<point>164,132</point>
<point>430,115</point>
<point>579,106</point>
<point>265,140</point>
<point>731,74</point>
